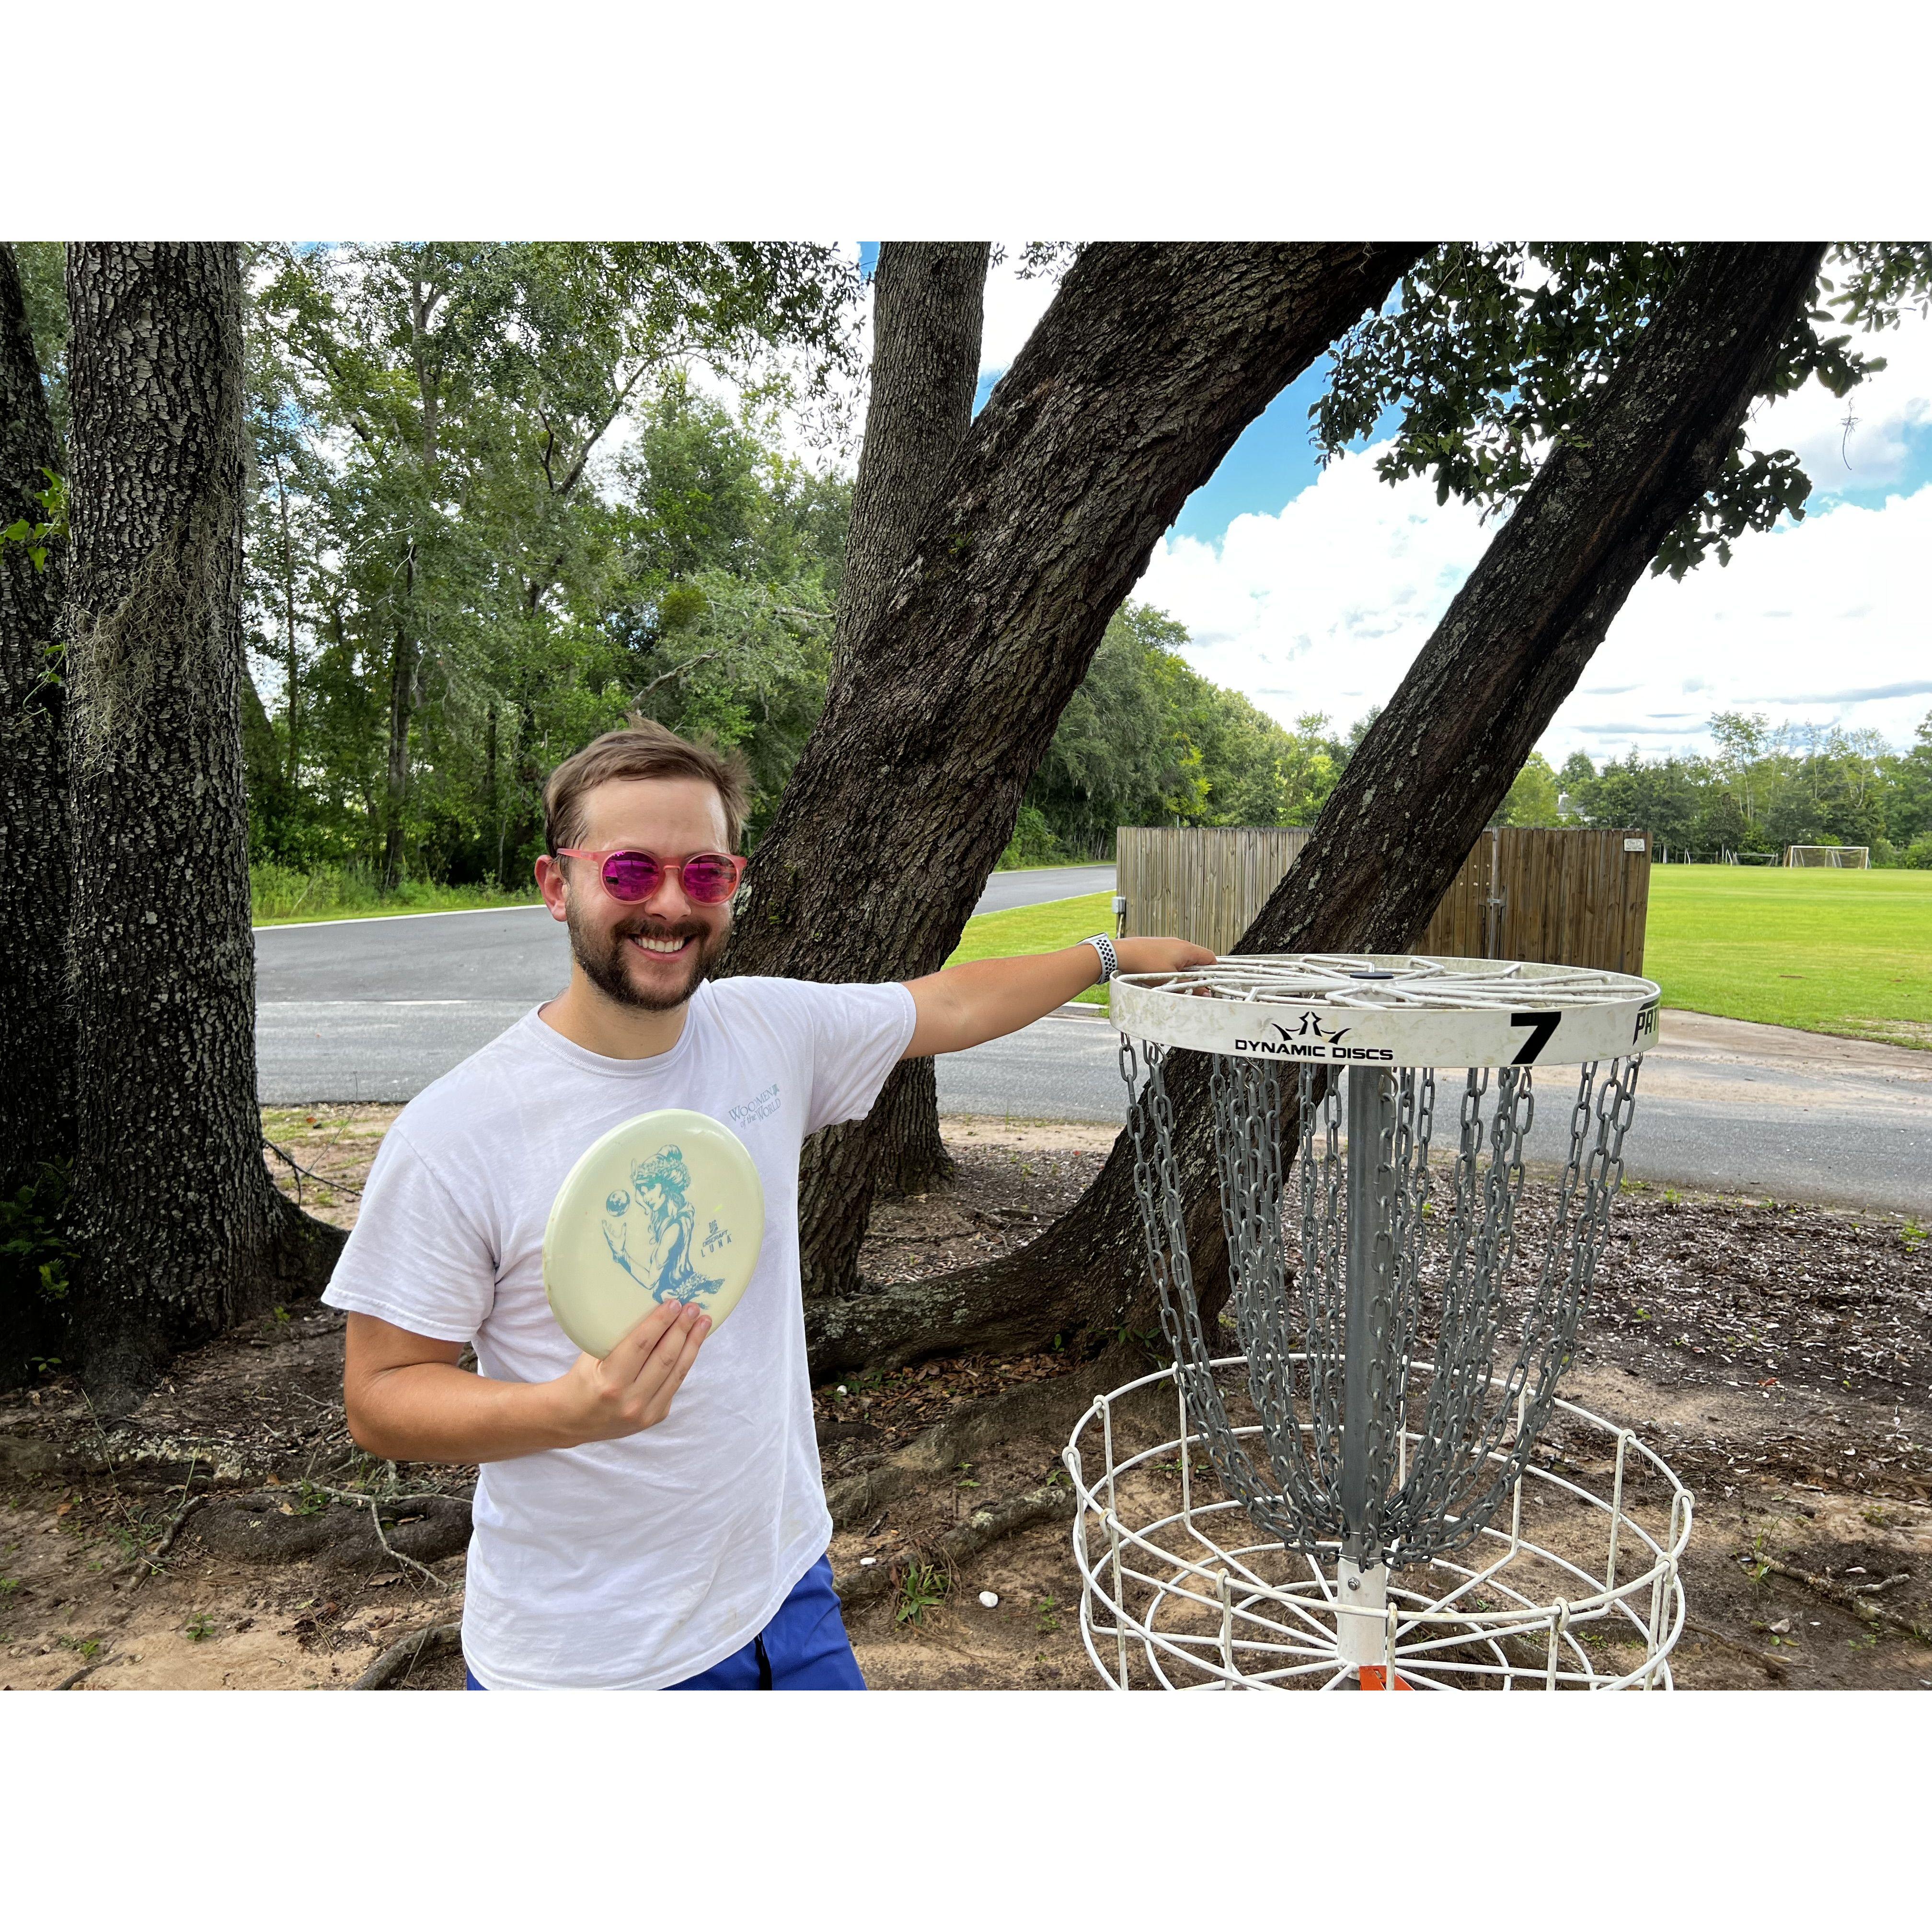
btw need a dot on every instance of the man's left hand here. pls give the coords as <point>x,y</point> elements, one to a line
<point>1160,956</point>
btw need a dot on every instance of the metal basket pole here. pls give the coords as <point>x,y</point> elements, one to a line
<point>1363,1576</point>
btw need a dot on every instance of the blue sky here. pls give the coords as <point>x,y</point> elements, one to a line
<point>1311,590</point>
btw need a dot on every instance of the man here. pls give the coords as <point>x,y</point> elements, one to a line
<point>654,1520</point>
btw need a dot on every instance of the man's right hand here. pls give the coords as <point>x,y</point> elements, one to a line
<point>408,1400</point>
<point>631,1388</point>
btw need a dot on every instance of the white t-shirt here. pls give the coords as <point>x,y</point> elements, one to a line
<point>630,1564</point>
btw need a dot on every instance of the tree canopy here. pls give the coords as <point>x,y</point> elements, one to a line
<point>1493,352</point>
<point>496,511</point>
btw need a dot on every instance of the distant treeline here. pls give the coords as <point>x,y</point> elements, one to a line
<point>1766,788</point>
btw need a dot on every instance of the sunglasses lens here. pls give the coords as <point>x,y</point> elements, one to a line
<point>630,875</point>
<point>710,881</point>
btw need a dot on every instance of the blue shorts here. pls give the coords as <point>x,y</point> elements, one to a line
<point>803,1647</point>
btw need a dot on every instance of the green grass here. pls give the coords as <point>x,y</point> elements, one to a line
<point>1829,952</point>
<point>1038,928</point>
<point>284,897</point>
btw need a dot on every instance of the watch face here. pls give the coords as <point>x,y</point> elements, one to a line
<point>668,1207</point>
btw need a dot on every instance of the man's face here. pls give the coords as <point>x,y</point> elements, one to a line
<point>651,954</point>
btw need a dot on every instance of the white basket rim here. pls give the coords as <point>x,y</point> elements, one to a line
<point>1409,1009</point>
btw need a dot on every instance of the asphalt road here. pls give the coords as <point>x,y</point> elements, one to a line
<point>374,1009</point>
<point>1755,1110</point>
<point>520,954</point>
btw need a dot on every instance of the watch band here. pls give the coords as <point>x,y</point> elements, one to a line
<point>1110,960</point>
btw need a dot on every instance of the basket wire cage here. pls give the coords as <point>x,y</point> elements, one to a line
<point>1403,1315</point>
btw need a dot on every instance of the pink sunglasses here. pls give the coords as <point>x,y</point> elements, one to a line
<point>709,878</point>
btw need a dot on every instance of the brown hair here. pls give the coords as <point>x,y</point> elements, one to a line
<point>643,749</point>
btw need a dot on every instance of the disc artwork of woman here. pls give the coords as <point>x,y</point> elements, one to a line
<point>649,1229</point>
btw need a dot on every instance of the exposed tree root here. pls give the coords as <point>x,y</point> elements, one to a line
<point>270,1526</point>
<point>148,1563</point>
<point>406,1653</point>
<point>980,1531</point>
<point>1085,1280</point>
<point>72,1680</point>
<point>1846,1596</point>
<point>1048,1409</point>
<point>1774,1667</point>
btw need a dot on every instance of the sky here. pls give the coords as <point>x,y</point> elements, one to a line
<point>1311,590</point>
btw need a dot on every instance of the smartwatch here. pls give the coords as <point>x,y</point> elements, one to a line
<point>1110,961</point>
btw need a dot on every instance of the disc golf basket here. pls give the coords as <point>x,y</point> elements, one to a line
<point>1372,1509</point>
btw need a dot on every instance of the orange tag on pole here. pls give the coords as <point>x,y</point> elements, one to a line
<point>1374,1677</point>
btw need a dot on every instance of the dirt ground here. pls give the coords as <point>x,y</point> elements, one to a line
<point>230,1535</point>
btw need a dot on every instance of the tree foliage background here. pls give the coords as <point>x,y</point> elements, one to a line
<point>504,495</point>
<point>1765,787</point>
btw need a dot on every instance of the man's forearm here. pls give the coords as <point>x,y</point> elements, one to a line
<point>964,1005</point>
<point>436,1412</point>
<point>996,996</point>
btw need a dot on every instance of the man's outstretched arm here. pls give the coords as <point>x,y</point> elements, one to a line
<point>965,1005</point>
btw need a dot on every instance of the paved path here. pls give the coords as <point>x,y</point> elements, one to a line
<point>519,953</point>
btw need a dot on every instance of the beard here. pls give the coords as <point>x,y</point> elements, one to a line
<point>605,956</point>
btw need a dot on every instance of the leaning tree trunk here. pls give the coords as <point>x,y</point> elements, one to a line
<point>180,1230</point>
<point>1150,362</point>
<point>36,1027</point>
<point>928,308</point>
<point>1418,791</point>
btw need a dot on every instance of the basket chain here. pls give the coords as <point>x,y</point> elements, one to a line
<point>1464,1338</point>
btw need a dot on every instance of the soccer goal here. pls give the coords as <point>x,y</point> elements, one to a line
<point>1858,858</point>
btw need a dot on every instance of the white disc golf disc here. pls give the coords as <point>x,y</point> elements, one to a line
<point>668,1207</point>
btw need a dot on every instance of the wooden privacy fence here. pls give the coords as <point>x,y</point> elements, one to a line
<point>1570,898</point>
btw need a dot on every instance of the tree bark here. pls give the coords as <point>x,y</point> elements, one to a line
<point>928,309</point>
<point>929,312</point>
<point>402,711</point>
<point>1150,361</point>
<point>36,1019</point>
<point>180,1230</point>
<point>1417,791</point>
<point>406,657</point>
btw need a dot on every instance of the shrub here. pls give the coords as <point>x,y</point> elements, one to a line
<point>1033,842</point>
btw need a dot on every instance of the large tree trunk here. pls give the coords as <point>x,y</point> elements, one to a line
<point>928,314</point>
<point>929,308</point>
<point>1419,790</point>
<point>36,1023</point>
<point>180,1230</point>
<point>1150,361</point>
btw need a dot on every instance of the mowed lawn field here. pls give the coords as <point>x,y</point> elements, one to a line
<point>1843,952</point>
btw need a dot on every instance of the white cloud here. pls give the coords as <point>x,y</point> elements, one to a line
<point>1323,607</point>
